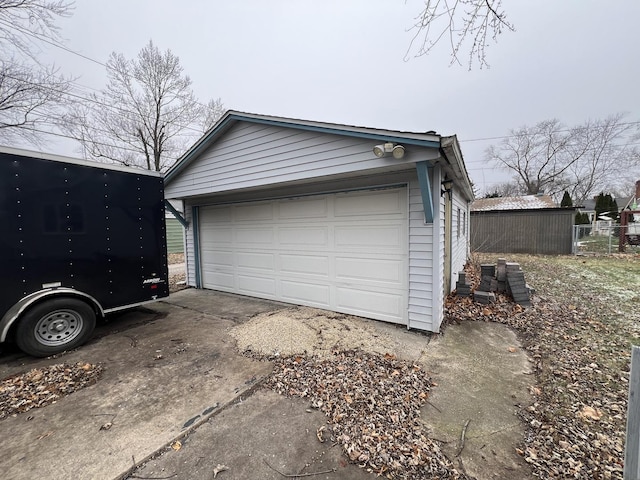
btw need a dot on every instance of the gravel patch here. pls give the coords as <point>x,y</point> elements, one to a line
<point>305,330</point>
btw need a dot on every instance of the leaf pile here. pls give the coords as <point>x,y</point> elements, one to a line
<point>42,386</point>
<point>372,403</point>
<point>579,336</point>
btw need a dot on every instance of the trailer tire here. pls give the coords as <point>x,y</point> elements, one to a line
<point>54,326</point>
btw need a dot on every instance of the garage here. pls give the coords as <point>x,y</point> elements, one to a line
<point>345,252</point>
<point>356,220</point>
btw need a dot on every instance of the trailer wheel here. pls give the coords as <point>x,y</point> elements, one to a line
<point>55,326</point>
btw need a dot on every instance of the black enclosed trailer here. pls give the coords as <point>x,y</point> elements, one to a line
<point>78,240</point>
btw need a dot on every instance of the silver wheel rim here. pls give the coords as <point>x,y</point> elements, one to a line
<point>58,328</point>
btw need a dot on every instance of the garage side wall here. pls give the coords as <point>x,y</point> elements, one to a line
<point>189,254</point>
<point>421,282</point>
<point>438,269</point>
<point>459,235</point>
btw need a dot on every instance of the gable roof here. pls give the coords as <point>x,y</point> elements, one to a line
<point>429,139</point>
<point>525,202</point>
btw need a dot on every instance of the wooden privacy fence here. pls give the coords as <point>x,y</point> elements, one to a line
<point>536,231</point>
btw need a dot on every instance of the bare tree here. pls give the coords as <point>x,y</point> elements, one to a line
<point>31,93</point>
<point>147,114</point>
<point>213,110</point>
<point>551,157</point>
<point>464,24</point>
<point>505,189</point>
<point>606,156</point>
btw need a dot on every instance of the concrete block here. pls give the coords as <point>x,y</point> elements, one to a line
<point>484,297</point>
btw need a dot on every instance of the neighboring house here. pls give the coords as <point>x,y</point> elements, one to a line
<point>338,217</point>
<point>175,232</point>
<point>526,224</point>
<point>589,207</point>
<point>632,202</point>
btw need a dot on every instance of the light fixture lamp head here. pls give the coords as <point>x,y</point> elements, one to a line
<point>378,151</point>
<point>396,150</point>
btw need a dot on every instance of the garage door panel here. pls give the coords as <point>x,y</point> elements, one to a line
<point>304,265</point>
<point>256,260</point>
<point>215,215</point>
<point>304,236</point>
<point>343,252</point>
<point>253,212</point>
<point>359,204</point>
<point>219,258</point>
<point>216,237</point>
<point>258,236</point>
<point>379,236</point>
<point>385,306</point>
<point>220,280</point>
<point>299,208</point>
<point>256,285</point>
<point>369,270</point>
<point>318,295</point>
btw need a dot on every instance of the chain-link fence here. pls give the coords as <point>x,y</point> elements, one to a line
<point>599,238</point>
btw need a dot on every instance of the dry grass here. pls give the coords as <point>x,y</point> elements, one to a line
<point>579,334</point>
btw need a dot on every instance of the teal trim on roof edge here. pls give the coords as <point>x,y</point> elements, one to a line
<point>425,190</point>
<point>206,141</point>
<point>339,131</point>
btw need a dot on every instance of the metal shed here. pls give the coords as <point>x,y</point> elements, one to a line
<point>528,224</point>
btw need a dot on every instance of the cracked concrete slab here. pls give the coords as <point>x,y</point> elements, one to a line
<point>171,371</point>
<point>482,377</point>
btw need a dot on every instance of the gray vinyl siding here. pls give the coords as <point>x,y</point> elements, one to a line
<point>189,254</point>
<point>438,291</point>
<point>254,155</point>
<point>459,243</point>
<point>420,263</point>
<point>175,240</point>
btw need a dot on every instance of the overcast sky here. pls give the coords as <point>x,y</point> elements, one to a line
<point>343,61</point>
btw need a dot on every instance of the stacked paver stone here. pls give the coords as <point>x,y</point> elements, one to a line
<point>505,277</point>
<point>462,287</point>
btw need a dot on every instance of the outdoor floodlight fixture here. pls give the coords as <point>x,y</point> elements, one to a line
<point>396,150</point>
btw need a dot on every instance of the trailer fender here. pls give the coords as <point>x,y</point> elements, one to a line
<point>18,309</point>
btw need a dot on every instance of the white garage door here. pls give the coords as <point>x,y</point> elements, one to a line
<point>345,252</point>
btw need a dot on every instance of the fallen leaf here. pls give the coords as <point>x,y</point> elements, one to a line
<point>535,390</point>
<point>219,468</point>
<point>590,412</point>
<point>106,426</point>
<point>45,435</point>
<point>319,433</point>
<point>177,445</point>
<point>348,399</point>
<point>486,312</point>
<point>513,349</point>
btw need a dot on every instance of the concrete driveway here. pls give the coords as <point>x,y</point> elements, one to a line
<point>171,372</point>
